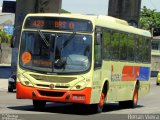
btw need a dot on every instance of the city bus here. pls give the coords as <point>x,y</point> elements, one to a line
<point>86,60</point>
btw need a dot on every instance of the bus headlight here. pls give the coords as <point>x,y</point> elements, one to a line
<point>24,80</point>
<point>79,86</point>
<point>159,76</point>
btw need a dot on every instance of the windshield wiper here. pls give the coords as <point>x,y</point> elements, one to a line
<point>61,61</point>
<point>43,38</point>
<point>69,39</point>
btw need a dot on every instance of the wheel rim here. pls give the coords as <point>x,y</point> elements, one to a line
<point>101,102</point>
<point>135,97</point>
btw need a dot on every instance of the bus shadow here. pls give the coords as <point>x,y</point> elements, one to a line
<point>69,109</point>
<point>115,107</point>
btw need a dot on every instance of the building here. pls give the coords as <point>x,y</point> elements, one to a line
<point>7,22</point>
<point>155,60</point>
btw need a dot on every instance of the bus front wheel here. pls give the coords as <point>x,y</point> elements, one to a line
<point>39,104</point>
<point>98,107</point>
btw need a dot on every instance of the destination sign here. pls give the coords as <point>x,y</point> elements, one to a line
<point>50,23</point>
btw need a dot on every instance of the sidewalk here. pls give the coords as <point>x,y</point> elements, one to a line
<point>5,72</point>
<point>5,65</point>
<point>3,84</point>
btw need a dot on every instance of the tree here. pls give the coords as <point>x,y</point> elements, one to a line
<point>149,18</point>
<point>4,38</point>
<point>64,11</point>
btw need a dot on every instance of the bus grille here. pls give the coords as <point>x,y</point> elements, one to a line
<point>47,86</point>
<point>53,79</point>
<point>51,94</point>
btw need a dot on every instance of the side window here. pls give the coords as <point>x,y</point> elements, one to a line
<point>147,50</point>
<point>106,44</point>
<point>98,50</point>
<point>130,48</point>
<point>115,45</point>
<point>154,46</point>
<point>136,48</point>
<point>140,43</point>
<point>123,46</point>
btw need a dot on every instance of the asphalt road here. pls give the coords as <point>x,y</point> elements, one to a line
<point>12,108</point>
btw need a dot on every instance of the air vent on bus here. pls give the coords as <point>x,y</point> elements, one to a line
<point>47,86</point>
<point>51,94</point>
<point>53,78</point>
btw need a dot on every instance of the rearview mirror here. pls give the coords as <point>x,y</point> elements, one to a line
<point>98,38</point>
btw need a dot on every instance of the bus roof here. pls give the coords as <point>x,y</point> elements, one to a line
<point>100,20</point>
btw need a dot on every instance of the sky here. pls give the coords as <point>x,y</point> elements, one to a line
<point>98,7</point>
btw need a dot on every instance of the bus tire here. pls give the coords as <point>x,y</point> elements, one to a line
<point>157,83</point>
<point>39,104</point>
<point>133,103</point>
<point>10,89</point>
<point>97,108</point>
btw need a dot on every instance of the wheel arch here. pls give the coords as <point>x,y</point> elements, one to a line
<point>105,87</point>
<point>137,85</point>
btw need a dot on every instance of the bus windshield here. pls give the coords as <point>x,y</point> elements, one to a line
<point>55,53</point>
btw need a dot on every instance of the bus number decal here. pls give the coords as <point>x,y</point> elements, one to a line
<point>38,23</point>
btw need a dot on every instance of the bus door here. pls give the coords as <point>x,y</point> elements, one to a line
<point>97,66</point>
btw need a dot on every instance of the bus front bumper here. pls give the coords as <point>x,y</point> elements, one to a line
<point>79,96</point>
<point>158,80</point>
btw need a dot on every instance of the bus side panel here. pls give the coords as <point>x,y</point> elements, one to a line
<point>144,81</point>
<point>121,83</point>
<point>96,86</point>
<point>144,88</point>
<point>122,77</point>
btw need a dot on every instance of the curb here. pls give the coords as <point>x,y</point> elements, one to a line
<point>5,66</point>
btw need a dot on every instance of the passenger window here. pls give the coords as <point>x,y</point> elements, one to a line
<point>115,45</point>
<point>147,50</point>
<point>106,44</point>
<point>130,48</point>
<point>123,46</point>
<point>140,49</point>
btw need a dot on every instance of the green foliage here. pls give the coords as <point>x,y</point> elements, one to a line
<point>149,18</point>
<point>4,38</point>
<point>64,11</point>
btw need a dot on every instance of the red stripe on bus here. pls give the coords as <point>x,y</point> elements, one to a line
<point>129,73</point>
<point>24,92</point>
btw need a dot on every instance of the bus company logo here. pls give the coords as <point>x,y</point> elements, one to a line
<point>51,86</point>
<point>116,77</point>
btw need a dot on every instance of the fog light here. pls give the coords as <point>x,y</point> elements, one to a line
<point>78,86</point>
<point>79,97</point>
